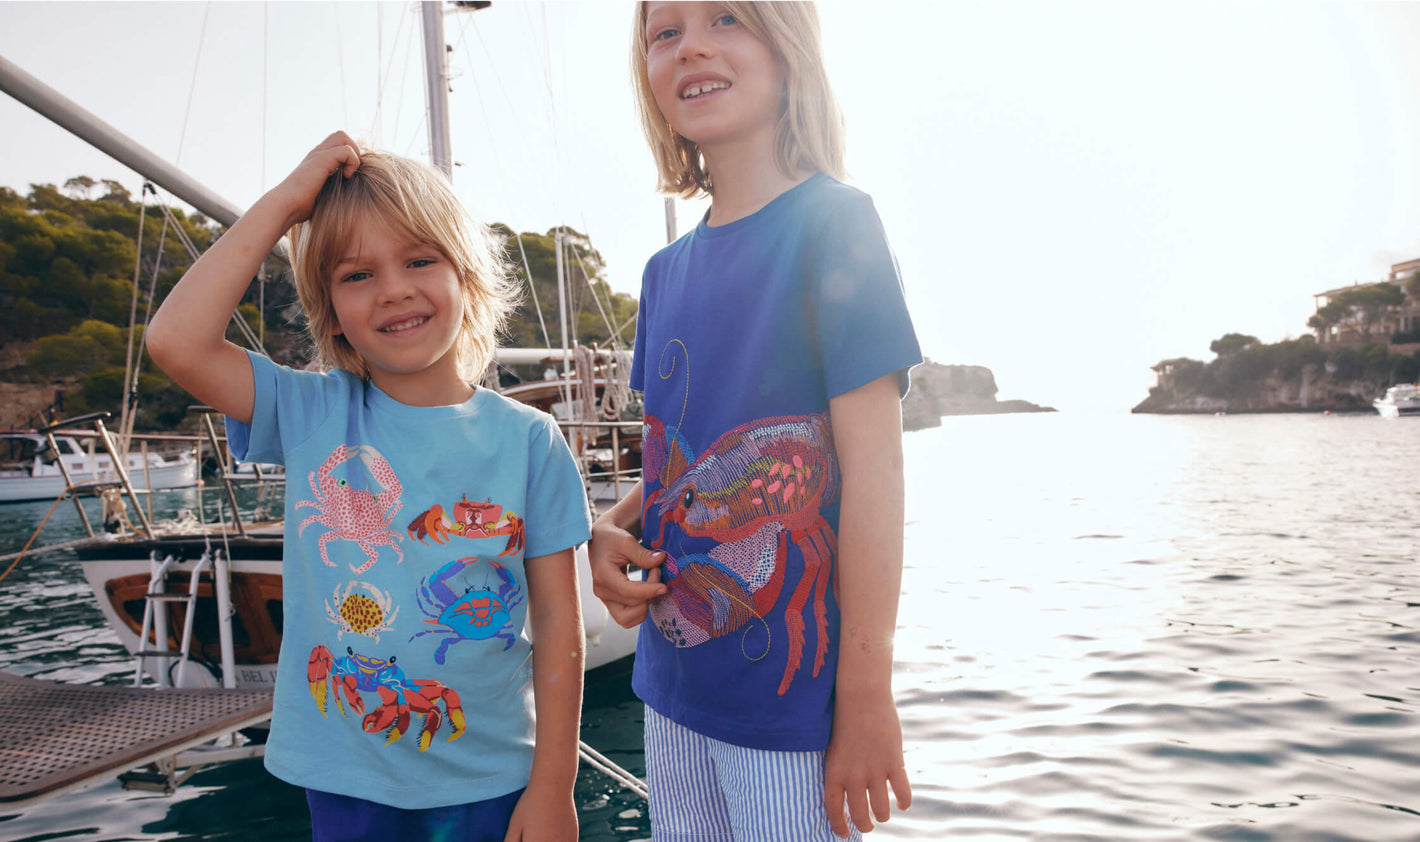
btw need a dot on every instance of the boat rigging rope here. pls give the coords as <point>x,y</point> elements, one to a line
<point>591,288</point>
<point>192,88</point>
<point>130,380</point>
<point>242,327</point>
<point>607,767</point>
<point>482,105</point>
<point>616,394</point>
<point>129,416</point>
<point>537,308</point>
<point>406,15</point>
<point>38,529</point>
<point>340,65</point>
<point>585,358</point>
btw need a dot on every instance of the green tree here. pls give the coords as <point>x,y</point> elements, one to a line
<point>79,187</point>
<point>586,288</point>
<point>115,193</point>
<point>1345,363</point>
<point>86,348</point>
<point>1363,306</point>
<point>1292,356</point>
<point>1412,285</point>
<point>1231,343</point>
<point>1407,369</point>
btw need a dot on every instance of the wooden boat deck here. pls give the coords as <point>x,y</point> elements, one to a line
<point>56,737</point>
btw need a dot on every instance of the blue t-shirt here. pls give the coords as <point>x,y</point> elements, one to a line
<point>745,332</point>
<point>405,677</point>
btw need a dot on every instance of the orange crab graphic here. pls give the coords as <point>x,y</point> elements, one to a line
<point>470,520</point>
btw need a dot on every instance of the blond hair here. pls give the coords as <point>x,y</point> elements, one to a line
<point>809,136</point>
<point>417,202</point>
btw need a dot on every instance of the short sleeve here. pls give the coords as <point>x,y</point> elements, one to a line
<point>862,327</point>
<point>638,354</point>
<point>557,516</point>
<point>286,406</point>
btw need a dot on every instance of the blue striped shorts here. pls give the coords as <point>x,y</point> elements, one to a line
<point>704,790</point>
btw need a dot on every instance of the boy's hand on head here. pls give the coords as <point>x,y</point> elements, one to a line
<point>610,552</point>
<point>298,191</point>
<point>864,758</point>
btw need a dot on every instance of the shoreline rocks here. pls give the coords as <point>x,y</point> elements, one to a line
<point>939,390</point>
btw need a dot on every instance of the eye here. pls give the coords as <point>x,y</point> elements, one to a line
<point>689,499</point>
<point>664,34</point>
<point>355,276</point>
<point>419,263</point>
<point>726,19</point>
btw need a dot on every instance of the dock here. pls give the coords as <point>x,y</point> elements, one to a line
<point>57,737</point>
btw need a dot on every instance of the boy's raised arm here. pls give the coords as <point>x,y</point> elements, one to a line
<point>187,337</point>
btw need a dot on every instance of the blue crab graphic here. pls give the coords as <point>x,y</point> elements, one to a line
<point>479,612</point>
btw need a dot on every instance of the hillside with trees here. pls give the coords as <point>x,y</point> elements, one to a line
<point>1295,375</point>
<point>69,314</point>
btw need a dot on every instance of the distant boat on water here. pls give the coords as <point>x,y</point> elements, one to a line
<point>1400,401</point>
<point>31,470</point>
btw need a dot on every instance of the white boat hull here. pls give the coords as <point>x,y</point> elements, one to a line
<point>118,571</point>
<point>1399,401</point>
<point>1395,410</point>
<point>14,489</point>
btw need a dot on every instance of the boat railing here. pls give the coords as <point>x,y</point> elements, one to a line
<point>203,444</point>
<point>120,469</point>
<point>206,413</point>
<point>586,438</point>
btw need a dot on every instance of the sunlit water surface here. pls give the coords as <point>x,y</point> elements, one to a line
<point>1112,628</point>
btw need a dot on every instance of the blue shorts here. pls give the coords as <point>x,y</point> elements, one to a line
<point>341,818</point>
<point>703,790</point>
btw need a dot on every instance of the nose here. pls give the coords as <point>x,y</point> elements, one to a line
<point>694,43</point>
<point>394,286</point>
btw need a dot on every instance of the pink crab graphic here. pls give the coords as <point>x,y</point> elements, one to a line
<point>355,514</point>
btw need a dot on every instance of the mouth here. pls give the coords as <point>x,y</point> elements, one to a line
<point>699,89</point>
<point>403,324</point>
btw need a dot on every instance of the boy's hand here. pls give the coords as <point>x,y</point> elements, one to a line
<point>297,192</point>
<point>543,814</point>
<point>611,550</point>
<point>864,757</point>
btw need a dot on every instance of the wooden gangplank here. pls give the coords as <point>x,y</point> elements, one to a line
<point>58,737</point>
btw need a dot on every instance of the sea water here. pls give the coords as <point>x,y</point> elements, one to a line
<point>1112,627</point>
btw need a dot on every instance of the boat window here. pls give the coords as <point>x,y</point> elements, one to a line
<point>17,449</point>
<point>66,447</point>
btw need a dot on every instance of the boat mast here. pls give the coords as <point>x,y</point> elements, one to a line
<point>70,116</point>
<point>436,83</point>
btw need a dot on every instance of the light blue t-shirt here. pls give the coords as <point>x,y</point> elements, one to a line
<point>405,675</point>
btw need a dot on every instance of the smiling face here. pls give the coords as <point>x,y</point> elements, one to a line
<point>399,304</point>
<point>713,80</point>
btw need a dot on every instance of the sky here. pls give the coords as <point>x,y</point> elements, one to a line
<point>1074,190</point>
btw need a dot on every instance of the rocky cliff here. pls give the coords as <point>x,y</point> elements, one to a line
<point>939,390</point>
<point>1313,390</point>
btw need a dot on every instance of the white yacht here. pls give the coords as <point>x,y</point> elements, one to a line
<point>30,468</point>
<point>1399,401</point>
